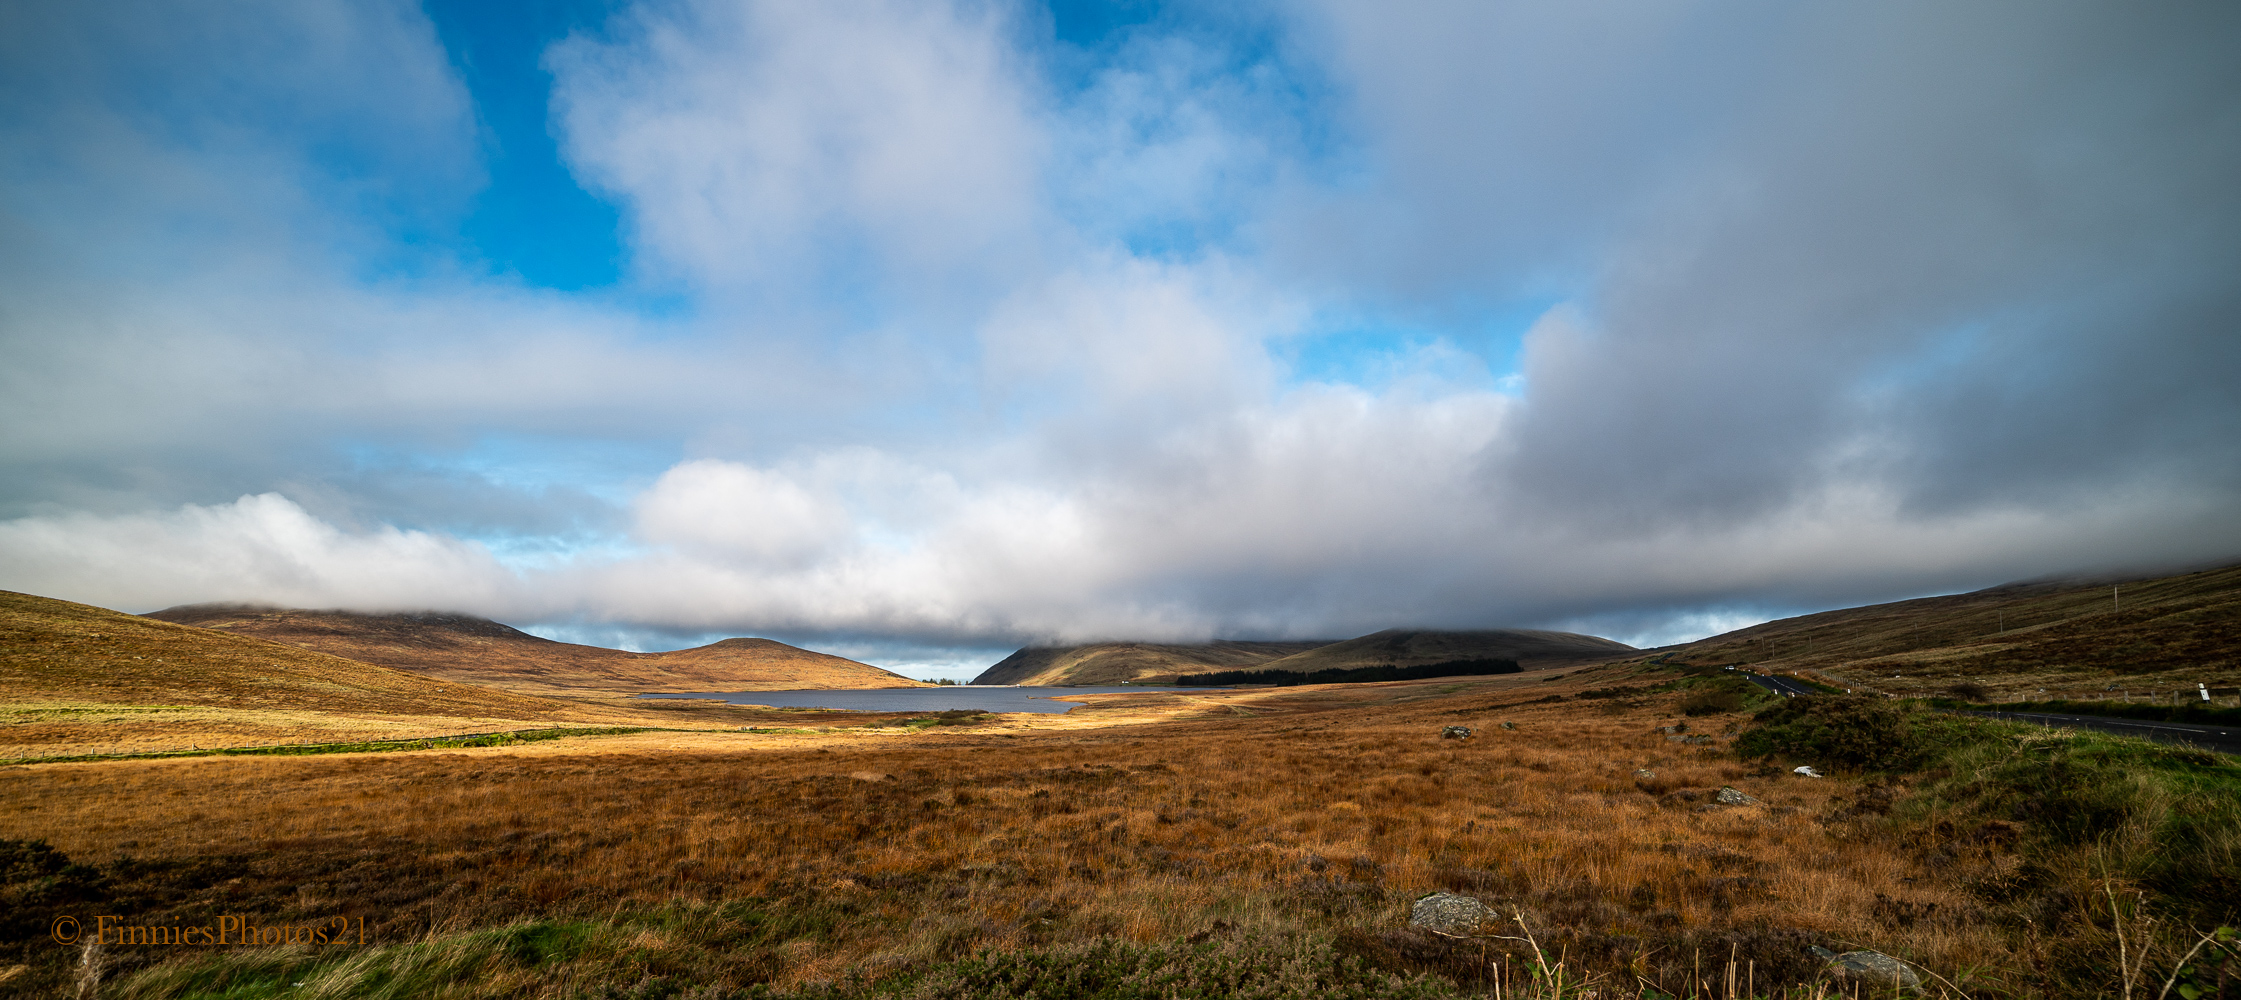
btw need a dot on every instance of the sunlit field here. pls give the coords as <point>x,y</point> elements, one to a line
<point>731,859</point>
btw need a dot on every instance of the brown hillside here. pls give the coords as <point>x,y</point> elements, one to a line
<point>59,652</point>
<point>2118,639</point>
<point>1109,663</point>
<point>1531,648</point>
<point>477,650</point>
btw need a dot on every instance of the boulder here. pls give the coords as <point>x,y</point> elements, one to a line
<point>1872,969</point>
<point>1731,797</point>
<point>1805,771</point>
<point>1450,914</point>
<point>1455,732</point>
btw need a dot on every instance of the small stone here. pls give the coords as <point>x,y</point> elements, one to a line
<point>1509,725</point>
<point>1448,913</point>
<point>1455,732</point>
<point>1731,797</point>
<point>1872,969</point>
<point>1644,774</point>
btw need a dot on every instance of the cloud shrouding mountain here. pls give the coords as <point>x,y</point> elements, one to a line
<point>940,332</point>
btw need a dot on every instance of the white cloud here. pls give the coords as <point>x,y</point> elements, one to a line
<point>765,147</point>
<point>1861,302</point>
<point>258,548</point>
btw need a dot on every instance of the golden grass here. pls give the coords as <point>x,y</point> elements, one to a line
<point>1324,809</point>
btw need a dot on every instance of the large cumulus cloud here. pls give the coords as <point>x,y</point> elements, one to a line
<point>985,339</point>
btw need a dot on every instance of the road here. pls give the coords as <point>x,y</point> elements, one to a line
<point>1780,685</point>
<point>2223,739</point>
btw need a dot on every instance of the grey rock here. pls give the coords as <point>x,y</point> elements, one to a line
<point>1873,969</point>
<point>1644,774</point>
<point>1678,727</point>
<point>1805,770</point>
<point>1731,797</point>
<point>1448,913</point>
<point>1455,732</point>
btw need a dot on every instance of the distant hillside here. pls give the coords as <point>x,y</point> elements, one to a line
<point>57,651</point>
<point>477,650</point>
<point>1109,663</point>
<point>2085,638</point>
<point>1531,648</point>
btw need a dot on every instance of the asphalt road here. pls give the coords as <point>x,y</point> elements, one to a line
<point>1780,685</point>
<point>2223,739</point>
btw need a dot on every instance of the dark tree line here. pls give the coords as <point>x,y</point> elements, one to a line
<point>1356,675</point>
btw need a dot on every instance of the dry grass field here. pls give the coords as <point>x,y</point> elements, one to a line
<point>1201,843</point>
<point>1304,814</point>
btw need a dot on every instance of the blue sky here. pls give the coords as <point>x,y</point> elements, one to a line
<point>922,331</point>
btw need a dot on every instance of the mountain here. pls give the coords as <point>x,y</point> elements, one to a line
<point>56,651</point>
<point>467,649</point>
<point>1110,663</point>
<point>2081,638</point>
<point>1531,648</point>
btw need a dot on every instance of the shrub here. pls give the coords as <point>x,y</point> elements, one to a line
<point>1970,691</point>
<point>1856,732</point>
<point>1712,701</point>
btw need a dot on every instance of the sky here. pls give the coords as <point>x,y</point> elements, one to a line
<point>921,331</point>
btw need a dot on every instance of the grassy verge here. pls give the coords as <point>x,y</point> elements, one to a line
<point>2193,712</point>
<point>498,739</point>
<point>1706,690</point>
<point>2101,855</point>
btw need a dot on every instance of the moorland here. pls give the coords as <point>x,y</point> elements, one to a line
<point>1253,841</point>
<point>475,650</point>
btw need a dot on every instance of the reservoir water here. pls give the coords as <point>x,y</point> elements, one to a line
<point>933,699</point>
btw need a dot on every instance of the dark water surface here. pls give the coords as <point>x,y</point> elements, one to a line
<point>934,699</point>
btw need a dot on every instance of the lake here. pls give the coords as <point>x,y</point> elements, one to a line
<point>933,699</point>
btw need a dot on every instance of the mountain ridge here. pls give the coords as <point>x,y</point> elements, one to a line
<point>52,649</point>
<point>1118,662</point>
<point>472,649</point>
<point>1109,663</point>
